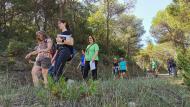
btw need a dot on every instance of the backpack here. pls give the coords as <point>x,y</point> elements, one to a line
<point>53,49</point>
<point>73,52</point>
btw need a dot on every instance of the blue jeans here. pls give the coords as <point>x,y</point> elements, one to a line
<point>173,70</point>
<point>61,58</point>
<point>169,70</point>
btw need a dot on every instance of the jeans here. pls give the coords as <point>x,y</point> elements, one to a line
<point>87,68</point>
<point>63,55</point>
<point>169,70</point>
<point>173,69</point>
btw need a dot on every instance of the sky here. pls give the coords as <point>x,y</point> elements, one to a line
<point>146,10</point>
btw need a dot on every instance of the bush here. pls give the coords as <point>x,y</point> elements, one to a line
<point>72,91</point>
<point>16,48</point>
<point>183,61</point>
<point>3,41</point>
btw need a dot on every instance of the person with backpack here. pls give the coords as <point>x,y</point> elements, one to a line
<point>173,67</point>
<point>43,59</point>
<point>169,66</point>
<point>91,58</point>
<point>64,50</point>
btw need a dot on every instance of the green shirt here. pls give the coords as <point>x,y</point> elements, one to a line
<point>90,51</point>
<point>154,64</point>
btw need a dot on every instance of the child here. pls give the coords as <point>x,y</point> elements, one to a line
<point>115,68</point>
<point>154,66</point>
<point>123,67</point>
<point>149,71</point>
<point>82,61</point>
<point>145,71</point>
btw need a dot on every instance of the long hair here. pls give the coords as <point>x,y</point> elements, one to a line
<point>66,24</point>
<point>94,40</point>
<point>43,34</point>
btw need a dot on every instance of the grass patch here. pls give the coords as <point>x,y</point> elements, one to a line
<point>109,93</point>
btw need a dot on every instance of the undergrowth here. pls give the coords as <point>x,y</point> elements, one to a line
<point>141,92</point>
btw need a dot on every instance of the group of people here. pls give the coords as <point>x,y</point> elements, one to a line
<point>89,56</point>
<point>120,68</point>
<point>51,58</point>
<point>154,67</point>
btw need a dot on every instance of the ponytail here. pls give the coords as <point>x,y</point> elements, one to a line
<point>67,27</point>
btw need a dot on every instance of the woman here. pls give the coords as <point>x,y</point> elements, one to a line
<point>64,50</point>
<point>91,55</point>
<point>43,59</point>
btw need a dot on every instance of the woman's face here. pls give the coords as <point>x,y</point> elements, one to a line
<point>90,39</point>
<point>61,25</point>
<point>39,37</point>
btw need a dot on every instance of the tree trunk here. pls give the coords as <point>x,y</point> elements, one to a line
<point>128,47</point>
<point>61,7</point>
<point>4,15</point>
<point>107,25</point>
<point>61,10</point>
<point>73,16</point>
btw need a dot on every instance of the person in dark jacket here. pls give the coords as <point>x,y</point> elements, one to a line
<point>169,66</point>
<point>64,50</point>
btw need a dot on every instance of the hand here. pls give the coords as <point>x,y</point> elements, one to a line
<point>40,51</point>
<point>93,59</point>
<point>31,62</point>
<point>58,39</point>
<point>28,56</point>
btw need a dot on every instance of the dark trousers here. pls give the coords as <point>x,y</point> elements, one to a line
<point>82,69</point>
<point>87,68</point>
<point>173,69</point>
<point>169,70</point>
<point>60,61</point>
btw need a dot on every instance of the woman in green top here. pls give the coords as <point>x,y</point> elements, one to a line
<point>91,55</point>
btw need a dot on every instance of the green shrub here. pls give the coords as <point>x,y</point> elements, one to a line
<point>74,91</point>
<point>16,48</point>
<point>183,61</point>
<point>3,41</point>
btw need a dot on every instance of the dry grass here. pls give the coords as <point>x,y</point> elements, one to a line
<point>139,92</point>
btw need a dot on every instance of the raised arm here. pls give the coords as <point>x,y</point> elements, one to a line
<point>69,41</point>
<point>31,54</point>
